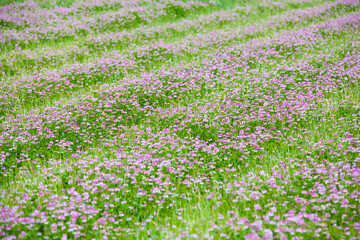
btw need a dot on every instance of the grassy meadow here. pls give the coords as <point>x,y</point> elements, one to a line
<point>179,119</point>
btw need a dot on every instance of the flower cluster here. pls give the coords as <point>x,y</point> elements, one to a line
<point>235,131</point>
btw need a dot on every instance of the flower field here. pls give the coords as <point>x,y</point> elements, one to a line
<point>180,119</point>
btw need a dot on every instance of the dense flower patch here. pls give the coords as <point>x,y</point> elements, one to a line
<point>180,120</point>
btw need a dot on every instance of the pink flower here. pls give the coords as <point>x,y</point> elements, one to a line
<point>252,236</point>
<point>268,234</point>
